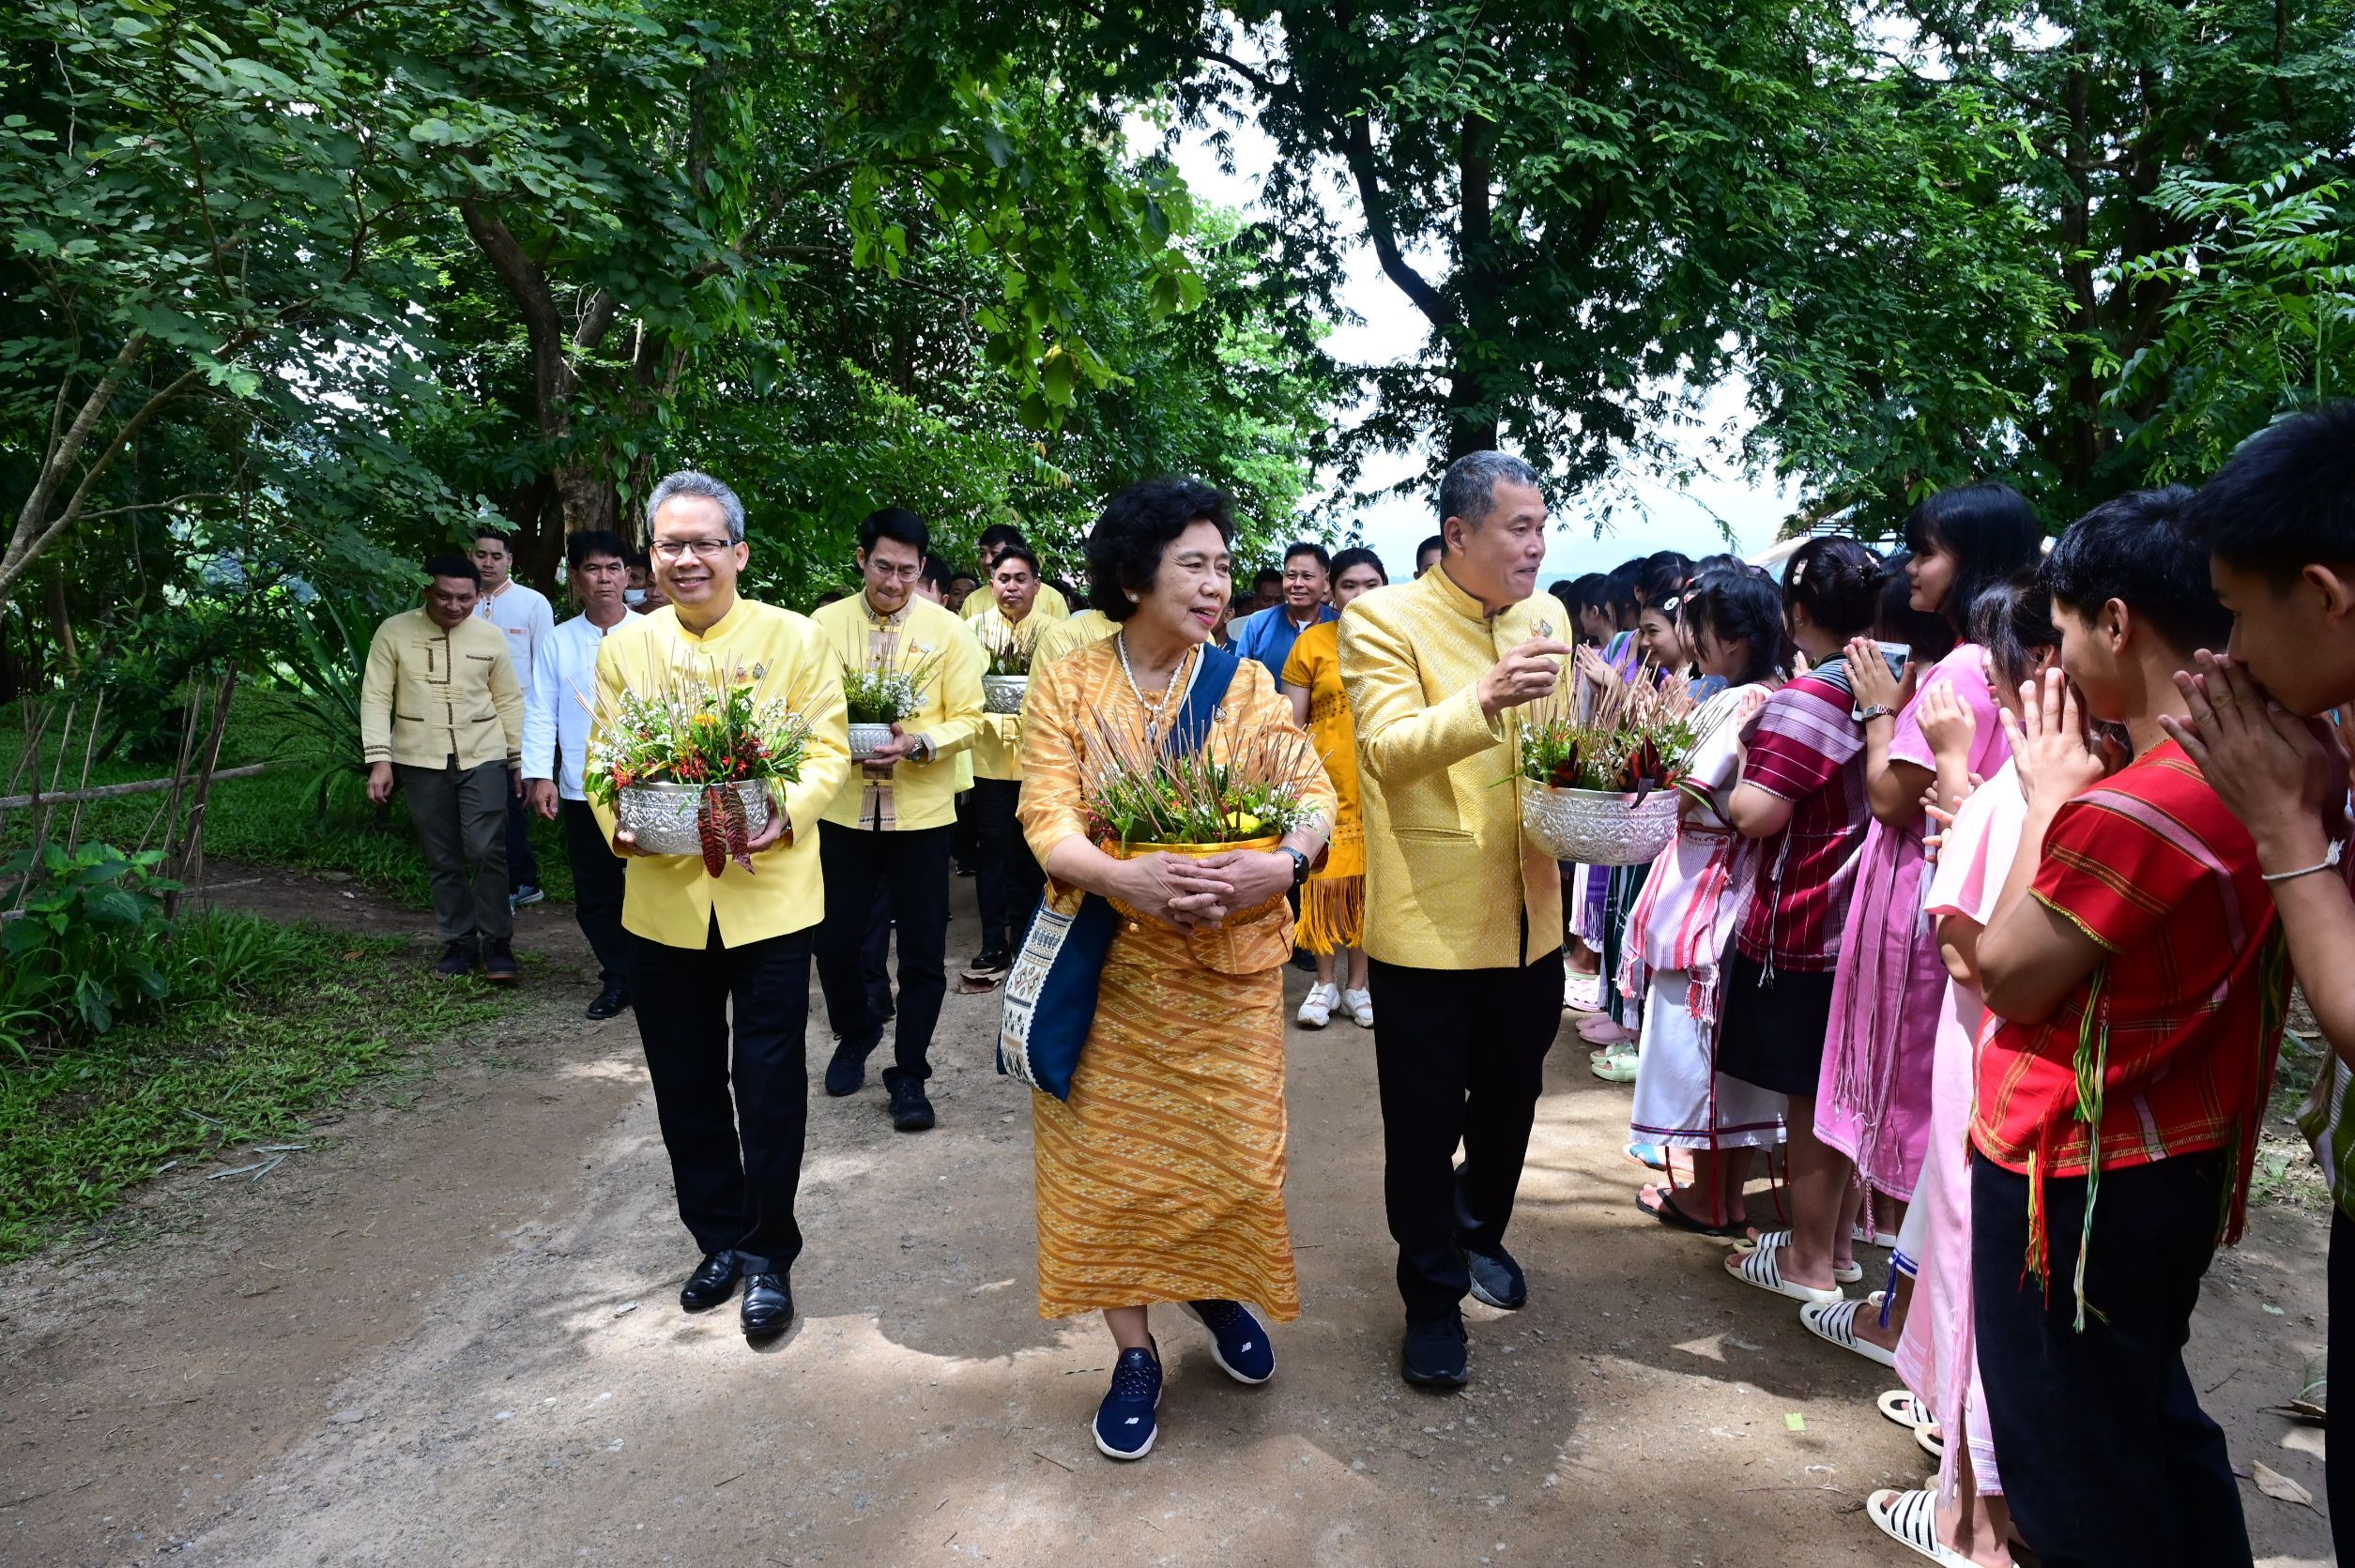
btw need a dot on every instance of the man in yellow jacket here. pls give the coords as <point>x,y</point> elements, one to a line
<point>1464,915</point>
<point>733,950</point>
<point>441,715</point>
<point>888,828</point>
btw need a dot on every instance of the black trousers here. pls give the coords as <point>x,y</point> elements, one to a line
<point>733,1110</point>
<point>2108,1460</point>
<point>598,876</point>
<point>2339,1445</point>
<point>1461,1056</point>
<point>914,866</point>
<point>874,958</point>
<point>523,866</point>
<point>1010,880</point>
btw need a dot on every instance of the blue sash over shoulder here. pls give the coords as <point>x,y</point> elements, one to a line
<point>1051,993</point>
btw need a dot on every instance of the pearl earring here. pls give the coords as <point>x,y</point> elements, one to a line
<point>1132,598</point>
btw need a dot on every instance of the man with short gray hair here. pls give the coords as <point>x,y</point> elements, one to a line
<point>720,973</point>
<point>1463,914</point>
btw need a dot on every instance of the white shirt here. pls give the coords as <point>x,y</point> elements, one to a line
<point>557,708</point>
<point>524,614</point>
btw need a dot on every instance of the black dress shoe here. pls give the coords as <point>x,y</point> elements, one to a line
<point>458,958</point>
<point>911,1111</point>
<point>847,1072</point>
<point>713,1282</point>
<point>768,1305</point>
<point>989,964</point>
<point>610,1001</point>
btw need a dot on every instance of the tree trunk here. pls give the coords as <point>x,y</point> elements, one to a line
<point>1472,416</point>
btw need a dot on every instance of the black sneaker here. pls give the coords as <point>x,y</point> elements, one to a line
<point>847,1072</point>
<point>1496,1279</point>
<point>1435,1354</point>
<point>990,964</point>
<point>458,958</point>
<point>499,961</point>
<point>911,1112</point>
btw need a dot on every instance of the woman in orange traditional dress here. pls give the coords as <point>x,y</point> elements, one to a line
<point>1333,905</point>
<point>1161,1178</point>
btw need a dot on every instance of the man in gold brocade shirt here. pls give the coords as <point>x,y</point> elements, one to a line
<point>1464,915</point>
<point>719,974</point>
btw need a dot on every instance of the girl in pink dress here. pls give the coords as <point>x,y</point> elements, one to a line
<point>1963,1520</point>
<point>1872,1099</point>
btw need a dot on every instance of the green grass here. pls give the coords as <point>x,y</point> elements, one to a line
<point>309,1016</point>
<point>272,819</point>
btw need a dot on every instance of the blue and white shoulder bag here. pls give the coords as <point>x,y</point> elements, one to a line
<point>1050,992</point>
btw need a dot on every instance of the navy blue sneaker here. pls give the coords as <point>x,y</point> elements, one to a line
<point>1125,1423</point>
<point>1496,1279</point>
<point>1238,1340</point>
<point>1435,1355</point>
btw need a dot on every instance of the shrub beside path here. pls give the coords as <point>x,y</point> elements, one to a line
<point>447,1332</point>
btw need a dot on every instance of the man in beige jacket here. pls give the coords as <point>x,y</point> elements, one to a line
<point>441,716</point>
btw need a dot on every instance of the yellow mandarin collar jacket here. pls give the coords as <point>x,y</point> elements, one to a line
<point>670,899</point>
<point>1445,853</point>
<point>924,794</point>
<point>998,743</point>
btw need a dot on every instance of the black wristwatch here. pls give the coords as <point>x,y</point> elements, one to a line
<point>1299,863</point>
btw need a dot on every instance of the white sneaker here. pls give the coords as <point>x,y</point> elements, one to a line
<point>1315,1008</point>
<point>1361,1007</point>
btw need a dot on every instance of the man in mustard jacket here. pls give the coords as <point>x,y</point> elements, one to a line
<point>889,827</point>
<point>441,715</point>
<point>1464,915</point>
<point>732,949</point>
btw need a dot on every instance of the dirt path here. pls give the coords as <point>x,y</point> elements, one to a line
<point>448,1332</point>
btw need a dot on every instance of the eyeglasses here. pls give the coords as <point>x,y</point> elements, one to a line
<point>889,572</point>
<point>702,549</point>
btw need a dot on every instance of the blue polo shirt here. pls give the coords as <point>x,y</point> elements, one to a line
<point>1267,635</point>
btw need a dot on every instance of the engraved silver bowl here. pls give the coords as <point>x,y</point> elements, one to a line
<point>1598,828</point>
<point>661,817</point>
<point>866,739</point>
<point>1002,693</point>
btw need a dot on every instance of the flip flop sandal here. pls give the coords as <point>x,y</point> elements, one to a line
<point>1672,1214</point>
<point>1911,1518</point>
<point>1846,1273</point>
<point>1649,1156</point>
<point>1900,1406</point>
<point>1757,1267</point>
<point>1836,1322</point>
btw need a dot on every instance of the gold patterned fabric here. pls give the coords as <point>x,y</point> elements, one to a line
<point>1162,1178</point>
<point>1333,903</point>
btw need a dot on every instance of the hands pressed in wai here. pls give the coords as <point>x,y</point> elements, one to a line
<point>2050,750</point>
<point>2285,777</point>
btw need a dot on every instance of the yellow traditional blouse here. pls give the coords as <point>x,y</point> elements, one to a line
<point>1066,700</point>
<point>1316,664</point>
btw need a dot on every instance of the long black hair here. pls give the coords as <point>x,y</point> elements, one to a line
<point>1741,608</point>
<point>1927,633</point>
<point>1837,582</point>
<point>1990,530</point>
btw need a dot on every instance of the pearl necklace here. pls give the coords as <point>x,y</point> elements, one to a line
<point>1188,666</point>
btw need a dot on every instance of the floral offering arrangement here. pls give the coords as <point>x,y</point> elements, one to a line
<point>699,732</point>
<point>1637,738</point>
<point>891,693</point>
<point>1010,658</point>
<point>1242,785</point>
